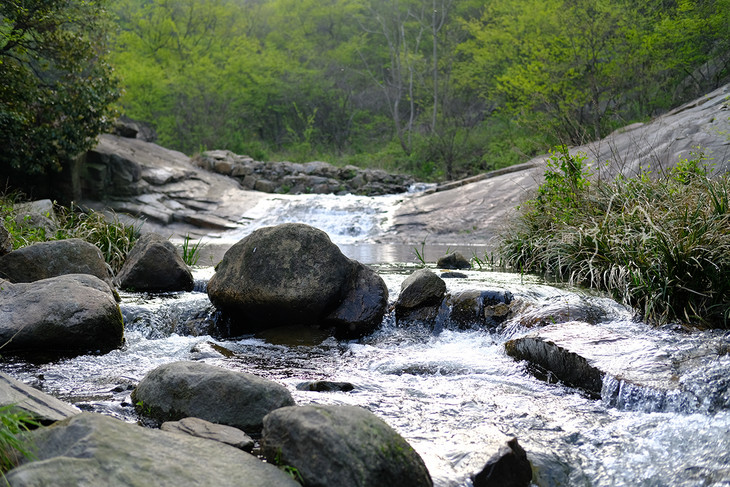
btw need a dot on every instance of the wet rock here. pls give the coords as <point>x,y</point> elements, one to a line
<point>420,297</point>
<point>206,350</point>
<point>180,389</point>
<point>153,265</point>
<point>488,308</point>
<point>211,431</point>
<point>325,386</point>
<point>56,258</point>
<point>454,260</point>
<point>292,274</point>
<point>363,306</point>
<point>89,450</point>
<point>43,407</point>
<point>581,354</point>
<point>341,445</point>
<point>67,314</point>
<point>453,275</point>
<point>509,467</point>
<point>562,309</point>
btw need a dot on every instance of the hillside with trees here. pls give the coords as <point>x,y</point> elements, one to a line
<point>438,88</point>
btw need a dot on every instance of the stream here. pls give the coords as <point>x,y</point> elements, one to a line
<point>453,394</point>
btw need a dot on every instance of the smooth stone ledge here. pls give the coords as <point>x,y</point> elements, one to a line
<point>580,355</point>
<point>45,408</point>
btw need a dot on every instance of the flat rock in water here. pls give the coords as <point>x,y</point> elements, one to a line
<point>212,431</point>
<point>43,407</point>
<point>90,450</point>
<point>580,354</point>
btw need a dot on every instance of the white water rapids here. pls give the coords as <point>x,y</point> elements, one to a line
<point>454,395</point>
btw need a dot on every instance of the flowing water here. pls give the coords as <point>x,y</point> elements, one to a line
<point>453,394</point>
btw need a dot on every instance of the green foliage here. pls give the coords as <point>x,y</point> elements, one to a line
<point>191,251</point>
<point>658,244</point>
<point>113,238</point>
<point>57,87</point>
<point>565,185</point>
<point>13,422</point>
<point>440,89</point>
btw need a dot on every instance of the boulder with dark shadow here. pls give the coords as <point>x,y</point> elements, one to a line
<point>420,298</point>
<point>153,265</point>
<point>454,260</point>
<point>73,313</point>
<point>332,446</point>
<point>180,389</point>
<point>292,274</point>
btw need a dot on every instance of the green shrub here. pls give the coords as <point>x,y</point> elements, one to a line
<point>661,245</point>
<point>13,422</point>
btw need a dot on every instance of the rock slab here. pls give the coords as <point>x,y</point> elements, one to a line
<point>211,431</point>
<point>181,389</point>
<point>89,450</point>
<point>43,407</point>
<point>332,446</point>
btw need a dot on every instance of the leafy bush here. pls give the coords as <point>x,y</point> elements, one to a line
<point>660,244</point>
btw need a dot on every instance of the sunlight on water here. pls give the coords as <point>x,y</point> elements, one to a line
<point>455,396</point>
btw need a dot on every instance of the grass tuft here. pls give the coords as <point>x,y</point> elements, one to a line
<point>659,244</point>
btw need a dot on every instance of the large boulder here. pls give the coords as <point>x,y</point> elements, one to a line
<point>292,274</point>
<point>212,431</point>
<point>420,297</point>
<point>89,450</point>
<point>331,446</point>
<point>44,408</point>
<point>56,258</point>
<point>153,265</point>
<point>454,260</point>
<point>69,313</point>
<point>180,389</point>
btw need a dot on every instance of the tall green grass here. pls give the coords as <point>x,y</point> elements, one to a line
<point>13,422</point>
<point>114,238</point>
<point>658,244</point>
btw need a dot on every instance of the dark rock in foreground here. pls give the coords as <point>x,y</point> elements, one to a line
<point>71,313</point>
<point>180,389</point>
<point>91,450</point>
<point>153,265</point>
<point>333,446</point>
<point>509,467</point>
<point>292,274</point>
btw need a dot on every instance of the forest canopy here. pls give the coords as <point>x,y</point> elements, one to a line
<point>438,88</point>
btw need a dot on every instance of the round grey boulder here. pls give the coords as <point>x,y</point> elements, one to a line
<point>180,389</point>
<point>55,258</point>
<point>332,446</point>
<point>70,313</point>
<point>283,275</point>
<point>454,260</point>
<point>153,265</point>
<point>420,297</point>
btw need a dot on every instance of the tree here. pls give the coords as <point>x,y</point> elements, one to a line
<point>57,89</point>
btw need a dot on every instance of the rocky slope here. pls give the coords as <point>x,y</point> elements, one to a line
<point>176,197</point>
